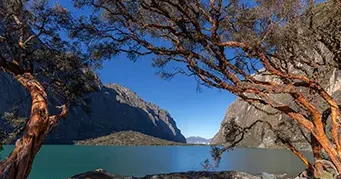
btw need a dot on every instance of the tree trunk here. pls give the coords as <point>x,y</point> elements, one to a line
<point>300,156</point>
<point>330,150</point>
<point>18,164</point>
<point>317,153</point>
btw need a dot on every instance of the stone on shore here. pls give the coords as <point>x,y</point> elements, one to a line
<point>101,174</point>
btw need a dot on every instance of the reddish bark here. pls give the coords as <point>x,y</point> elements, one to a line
<point>299,155</point>
<point>18,164</point>
<point>317,153</point>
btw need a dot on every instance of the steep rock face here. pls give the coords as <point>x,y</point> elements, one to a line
<point>110,109</point>
<point>156,114</point>
<point>244,115</point>
<point>115,108</point>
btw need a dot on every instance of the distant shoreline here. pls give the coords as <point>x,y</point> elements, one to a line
<point>131,138</point>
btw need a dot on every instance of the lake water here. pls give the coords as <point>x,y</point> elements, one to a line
<point>63,161</point>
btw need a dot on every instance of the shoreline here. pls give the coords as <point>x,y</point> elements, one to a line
<point>102,174</point>
<point>160,145</point>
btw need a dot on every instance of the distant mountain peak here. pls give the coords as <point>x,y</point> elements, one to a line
<point>197,140</point>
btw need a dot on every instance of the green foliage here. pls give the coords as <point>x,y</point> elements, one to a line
<point>16,123</point>
<point>32,38</point>
<point>62,65</point>
<point>192,33</point>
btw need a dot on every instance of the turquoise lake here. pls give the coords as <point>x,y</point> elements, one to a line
<point>63,161</point>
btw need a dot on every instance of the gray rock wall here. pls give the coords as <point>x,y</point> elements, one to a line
<point>245,114</point>
<point>110,109</point>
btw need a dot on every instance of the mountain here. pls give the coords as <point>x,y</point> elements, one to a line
<point>127,138</point>
<point>197,140</point>
<point>244,114</point>
<point>111,108</point>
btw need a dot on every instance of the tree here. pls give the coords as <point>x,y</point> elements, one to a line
<point>257,50</point>
<point>35,54</point>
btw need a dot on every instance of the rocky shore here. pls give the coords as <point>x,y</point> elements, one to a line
<point>101,174</point>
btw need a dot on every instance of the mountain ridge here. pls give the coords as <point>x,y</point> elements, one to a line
<point>111,108</point>
<point>260,136</point>
<point>127,138</point>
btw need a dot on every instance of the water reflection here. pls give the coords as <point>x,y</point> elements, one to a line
<point>56,162</point>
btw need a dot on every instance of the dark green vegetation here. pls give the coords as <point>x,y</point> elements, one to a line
<point>127,138</point>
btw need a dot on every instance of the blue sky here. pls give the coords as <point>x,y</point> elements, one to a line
<point>196,113</point>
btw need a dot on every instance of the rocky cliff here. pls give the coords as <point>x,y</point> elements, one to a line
<point>110,109</point>
<point>244,115</point>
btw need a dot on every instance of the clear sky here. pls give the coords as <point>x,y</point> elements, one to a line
<point>196,113</point>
